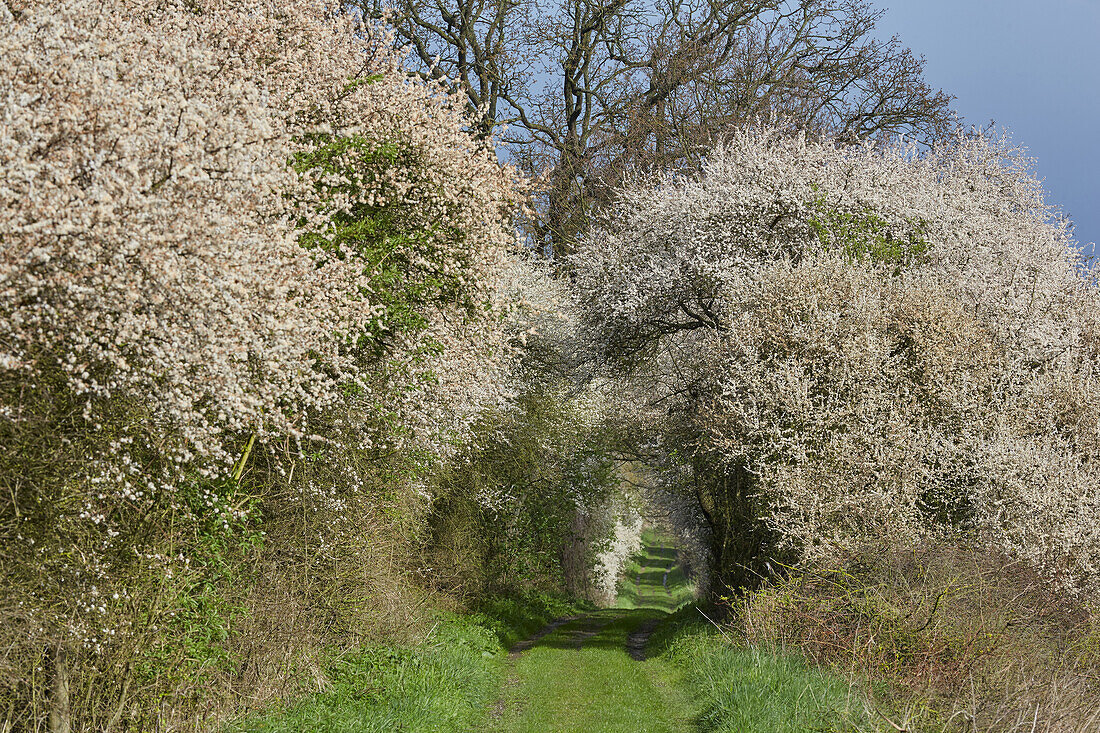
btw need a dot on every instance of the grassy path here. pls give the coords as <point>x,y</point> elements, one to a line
<point>590,673</point>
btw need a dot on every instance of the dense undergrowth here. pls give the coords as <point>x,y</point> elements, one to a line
<point>944,636</point>
<point>446,680</point>
<point>741,689</point>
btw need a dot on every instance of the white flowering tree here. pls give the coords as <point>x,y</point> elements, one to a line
<point>843,345</point>
<point>240,248</point>
<point>531,502</point>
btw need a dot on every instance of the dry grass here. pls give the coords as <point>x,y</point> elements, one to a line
<point>951,637</point>
<point>251,621</point>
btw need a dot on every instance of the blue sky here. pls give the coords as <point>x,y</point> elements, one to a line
<point>1032,66</point>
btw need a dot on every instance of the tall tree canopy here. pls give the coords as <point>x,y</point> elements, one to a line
<point>590,90</point>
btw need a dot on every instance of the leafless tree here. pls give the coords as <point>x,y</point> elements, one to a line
<point>593,89</point>
<point>472,43</point>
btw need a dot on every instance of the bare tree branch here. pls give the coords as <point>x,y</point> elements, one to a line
<point>596,89</point>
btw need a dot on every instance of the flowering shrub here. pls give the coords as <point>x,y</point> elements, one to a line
<point>625,542</point>
<point>529,502</point>
<point>845,343</point>
<point>238,242</point>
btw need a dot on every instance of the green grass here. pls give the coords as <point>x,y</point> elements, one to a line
<point>742,690</point>
<point>442,685</point>
<point>654,578</point>
<point>515,618</point>
<point>734,688</point>
<point>446,683</point>
<point>580,678</point>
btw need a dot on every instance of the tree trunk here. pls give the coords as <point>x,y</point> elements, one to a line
<point>60,718</point>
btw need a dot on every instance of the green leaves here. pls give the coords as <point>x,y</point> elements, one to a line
<point>373,204</point>
<point>865,235</point>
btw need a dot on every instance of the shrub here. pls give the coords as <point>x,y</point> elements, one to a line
<point>245,259</point>
<point>954,636</point>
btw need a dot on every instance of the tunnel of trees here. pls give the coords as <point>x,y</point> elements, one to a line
<point>286,351</point>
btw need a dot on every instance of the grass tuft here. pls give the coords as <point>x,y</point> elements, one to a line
<point>744,690</point>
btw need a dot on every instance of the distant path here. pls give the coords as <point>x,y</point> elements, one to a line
<point>590,673</point>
